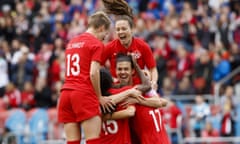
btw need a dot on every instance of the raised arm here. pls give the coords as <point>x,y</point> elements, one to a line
<point>145,81</point>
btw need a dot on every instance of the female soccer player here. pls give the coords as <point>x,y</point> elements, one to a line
<point>126,42</point>
<point>146,125</point>
<point>115,125</point>
<point>115,128</point>
<point>81,94</point>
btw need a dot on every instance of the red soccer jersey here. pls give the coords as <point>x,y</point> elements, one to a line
<point>142,52</point>
<point>116,131</point>
<point>79,53</point>
<point>148,126</point>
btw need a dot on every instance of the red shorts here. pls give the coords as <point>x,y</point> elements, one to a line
<point>76,106</point>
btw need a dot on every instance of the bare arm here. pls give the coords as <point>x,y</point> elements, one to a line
<point>154,77</point>
<point>145,81</point>
<point>155,102</point>
<point>95,77</point>
<point>106,103</point>
<point>133,92</point>
<point>122,114</point>
<point>152,101</point>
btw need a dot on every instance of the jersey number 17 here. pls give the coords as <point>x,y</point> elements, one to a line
<point>157,120</point>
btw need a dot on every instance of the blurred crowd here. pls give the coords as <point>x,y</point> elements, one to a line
<point>195,43</point>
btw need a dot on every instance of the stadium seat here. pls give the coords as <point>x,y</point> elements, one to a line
<point>16,122</point>
<point>55,128</point>
<point>38,124</point>
<point>237,125</point>
<point>3,117</point>
<point>2,104</point>
<point>215,109</point>
<point>188,109</point>
<point>215,116</point>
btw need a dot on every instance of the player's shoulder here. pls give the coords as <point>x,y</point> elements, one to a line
<point>113,43</point>
<point>140,41</point>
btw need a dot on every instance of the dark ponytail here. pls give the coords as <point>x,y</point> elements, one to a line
<point>118,7</point>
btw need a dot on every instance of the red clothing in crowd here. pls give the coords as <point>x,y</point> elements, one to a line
<point>184,66</point>
<point>212,133</point>
<point>28,98</point>
<point>171,114</point>
<point>14,98</point>
<point>54,72</point>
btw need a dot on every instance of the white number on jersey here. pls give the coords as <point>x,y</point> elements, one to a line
<point>110,127</point>
<point>157,120</point>
<point>73,65</point>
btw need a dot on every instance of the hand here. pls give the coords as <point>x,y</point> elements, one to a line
<point>129,101</point>
<point>133,57</point>
<point>131,110</point>
<point>134,93</point>
<point>155,86</point>
<point>107,105</point>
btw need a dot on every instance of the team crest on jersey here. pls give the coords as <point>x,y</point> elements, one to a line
<point>136,54</point>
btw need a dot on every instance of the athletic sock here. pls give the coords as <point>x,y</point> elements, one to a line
<point>93,141</point>
<point>73,142</point>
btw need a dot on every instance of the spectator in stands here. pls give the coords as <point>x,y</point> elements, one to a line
<point>198,115</point>
<point>227,122</point>
<point>185,87</point>
<point>229,95</point>
<point>221,67</point>
<point>162,54</point>
<point>215,117</point>
<point>23,69</point>
<point>202,76</point>
<point>27,96</point>
<point>12,96</point>
<point>3,73</point>
<point>54,68</point>
<point>43,60</point>
<point>236,31</point>
<point>172,117</point>
<point>43,93</point>
<point>168,87</point>
<point>184,63</point>
<point>56,88</point>
<point>175,33</point>
<point>234,60</point>
<point>210,132</point>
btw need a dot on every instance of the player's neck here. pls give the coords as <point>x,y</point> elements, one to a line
<point>128,44</point>
<point>91,31</point>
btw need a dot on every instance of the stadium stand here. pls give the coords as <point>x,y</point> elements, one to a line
<point>196,44</point>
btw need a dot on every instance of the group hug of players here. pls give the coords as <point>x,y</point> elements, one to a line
<point>130,106</point>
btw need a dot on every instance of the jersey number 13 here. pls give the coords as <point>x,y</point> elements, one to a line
<point>73,64</point>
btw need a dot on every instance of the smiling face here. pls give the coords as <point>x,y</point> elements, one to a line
<point>124,32</point>
<point>124,72</point>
